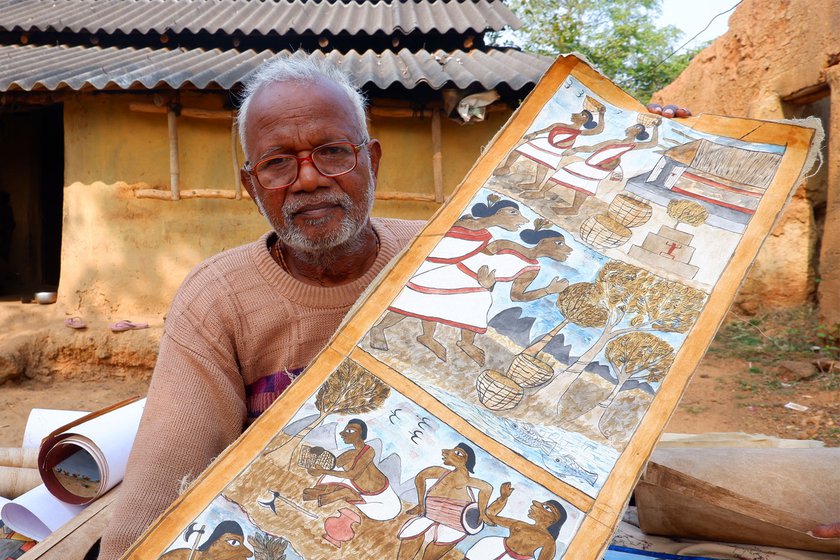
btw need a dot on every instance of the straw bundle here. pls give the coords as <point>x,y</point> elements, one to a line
<point>497,392</point>
<point>528,371</point>
<point>15,481</point>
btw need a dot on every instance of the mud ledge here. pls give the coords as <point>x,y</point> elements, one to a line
<point>37,345</point>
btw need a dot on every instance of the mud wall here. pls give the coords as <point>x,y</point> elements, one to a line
<point>124,257</point>
<point>773,64</point>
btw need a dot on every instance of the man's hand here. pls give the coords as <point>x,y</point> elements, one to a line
<point>417,510</point>
<point>316,471</point>
<point>486,277</point>
<point>668,111</point>
<point>506,490</point>
<point>556,285</point>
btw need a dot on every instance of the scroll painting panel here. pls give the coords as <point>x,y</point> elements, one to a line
<point>499,391</point>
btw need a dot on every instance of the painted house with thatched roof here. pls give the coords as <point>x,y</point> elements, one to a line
<point>119,153</point>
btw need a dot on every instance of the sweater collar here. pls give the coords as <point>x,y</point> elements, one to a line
<point>331,297</point>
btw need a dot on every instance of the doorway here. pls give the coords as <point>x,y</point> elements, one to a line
<point>31,199</point>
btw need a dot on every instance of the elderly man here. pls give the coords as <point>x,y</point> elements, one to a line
<point>246,322</point>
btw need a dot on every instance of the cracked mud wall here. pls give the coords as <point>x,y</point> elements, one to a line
<point>773,63</point>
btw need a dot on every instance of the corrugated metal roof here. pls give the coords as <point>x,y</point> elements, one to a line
<point>254,16</point>
<point>36,67</point>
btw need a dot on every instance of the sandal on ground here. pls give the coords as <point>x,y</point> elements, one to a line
<point>75,323</point>
<point>126,325</point>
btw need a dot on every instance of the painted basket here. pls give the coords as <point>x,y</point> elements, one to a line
<point>629,210</point>
<point>529,371</point>
<point>316,457</point>
<point>498,392</point>
<point>603,231</point>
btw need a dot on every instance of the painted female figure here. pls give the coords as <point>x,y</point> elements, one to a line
<point>454,285</point>
<point>585,176</point>
<point>546,146</point>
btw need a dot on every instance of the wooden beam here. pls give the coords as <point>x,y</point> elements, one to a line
<point>398,112</point>
<point>159,194</point>
<point>412,197</point>
<point>75,538</point>
<point>185,111</point>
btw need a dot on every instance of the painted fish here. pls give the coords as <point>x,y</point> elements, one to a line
<point>563,465</point>
<point>527,434</point>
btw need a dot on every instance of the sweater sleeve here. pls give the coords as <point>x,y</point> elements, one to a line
<point>195,408</point>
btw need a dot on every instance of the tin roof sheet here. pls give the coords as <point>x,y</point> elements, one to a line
<point>41,67</point>
<point>254,16</point>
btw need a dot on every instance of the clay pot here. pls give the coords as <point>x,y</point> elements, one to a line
<point>339,529</point>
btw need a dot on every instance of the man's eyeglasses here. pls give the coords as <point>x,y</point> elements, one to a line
<point>330,160</point>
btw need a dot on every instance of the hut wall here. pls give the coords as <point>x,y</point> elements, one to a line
<point>124,257</point>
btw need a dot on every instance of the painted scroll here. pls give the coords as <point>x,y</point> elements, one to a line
<point>499,391</point>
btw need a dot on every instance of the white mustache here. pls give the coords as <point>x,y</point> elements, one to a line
<point>294,206</point>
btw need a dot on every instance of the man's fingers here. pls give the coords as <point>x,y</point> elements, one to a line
<point>668,111</point>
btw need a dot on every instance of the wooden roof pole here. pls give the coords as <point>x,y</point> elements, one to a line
<point>174,168</point>
<point>237,184</point>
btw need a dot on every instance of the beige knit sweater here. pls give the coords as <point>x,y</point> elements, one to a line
<point>239,330</point>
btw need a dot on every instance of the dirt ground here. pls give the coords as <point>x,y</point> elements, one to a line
<point>753,369</point>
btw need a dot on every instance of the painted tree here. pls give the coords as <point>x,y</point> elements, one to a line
<point>636,300</point>
<point>641,356</point>
<point>577,305</point>
<point>687,212</point>
<point>351,389</point>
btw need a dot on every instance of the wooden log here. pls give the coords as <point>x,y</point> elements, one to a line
<point>411,197</point>
<point>26,457</point>
<point>160,194</point>
<point>185,111</point>
<point>174,169</point>
<point>206,114</point>
<point>400,113</point>
<point>15,481</point>
<point>410,113</point>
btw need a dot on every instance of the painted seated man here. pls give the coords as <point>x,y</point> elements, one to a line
<point>358,481</point>
<point>246,322</point>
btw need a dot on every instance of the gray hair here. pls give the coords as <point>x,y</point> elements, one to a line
<point>298,68</point>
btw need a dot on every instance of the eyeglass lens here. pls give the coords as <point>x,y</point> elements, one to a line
<point>330,160</point>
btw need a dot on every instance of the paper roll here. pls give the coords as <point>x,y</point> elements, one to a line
<point>16,481</point>
<point>19,457</point>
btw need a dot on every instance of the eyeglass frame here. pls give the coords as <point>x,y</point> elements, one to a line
<point>251,169</point>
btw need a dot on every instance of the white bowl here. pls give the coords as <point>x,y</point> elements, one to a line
<point>45,298</point>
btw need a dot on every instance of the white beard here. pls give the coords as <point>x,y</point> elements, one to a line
<point>317,249</point>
